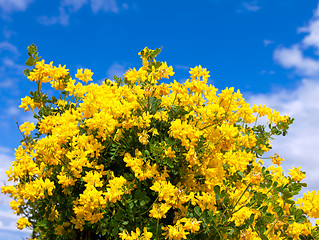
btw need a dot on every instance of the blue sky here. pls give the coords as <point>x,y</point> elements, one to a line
<point>267,49</point>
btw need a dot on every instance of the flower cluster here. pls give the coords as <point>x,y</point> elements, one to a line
<point>178,160</point>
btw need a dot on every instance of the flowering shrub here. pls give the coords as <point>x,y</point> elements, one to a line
<point>135,158</point>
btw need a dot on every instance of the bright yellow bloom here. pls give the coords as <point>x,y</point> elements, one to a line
<point>296,174</point>
<point>143,137</point>
<point>43,73</point>
<point>198,72</point>
<point>276,159</point>
<point>27,128</point>
<point>115,189</point>
<point>84,77</point>
<point>159,210</point>
<point>136,235</point>
<point>166,191</point>
<point>241,216</point>
<point>176,232</point>
<point>191,224</point>
<point>309,203</point>
<point>296,229</point>
<point>65,180</point>
<point>27,103</point>
<point>170,153</point>
<point>23,223</point>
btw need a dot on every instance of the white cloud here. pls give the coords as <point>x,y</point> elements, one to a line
<point>6,156</point>
<point>271,72</point>
<point>9,63</point>
<point>251,6</point>
<point>7,32</point>
<point>75,4</point>
<point>268,42</point>
<point>183,67</point>
<point>8,46</point>
<point>125,6</point>
<point>45,20</point>
<point>67,7</point>
<point>8,6</point>
<point>104,5</point>
<point>299,147</point>
<point>115,69</point>
<point>295,56</point>
<point>62,18</point>
<point>312,39</point>
<point>12,111</point>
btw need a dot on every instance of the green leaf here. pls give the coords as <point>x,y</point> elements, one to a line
<point>119,215</point>
<point>32,49</point>
<point>30,62</point>
<point>197,211</point>
<point>26,72</point>
<point>279,210</point>
<point>217,191</point>
<point>142,203</point>
<point>289,201</point>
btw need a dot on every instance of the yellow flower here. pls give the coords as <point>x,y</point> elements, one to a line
<point>27,128</point>
<point>159,210</point>
<point>296,174</point>
<point>143,137</point>
<point>115,189</point>
<point>309,204</point>
<point>241,216</point>
<point>198,72</point>
<point>23,223</point>
<point>166,191</point>
<point>42,73</point>
<point>65,180</point>
<point>170,153</point>
<point>136,235</point>
<point>276,159</point>
<point>191,224</point>
<point>27,103</point>
<point>84,77</point>
<point>176,232</point>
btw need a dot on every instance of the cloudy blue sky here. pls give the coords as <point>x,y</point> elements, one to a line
<point>268,49</point>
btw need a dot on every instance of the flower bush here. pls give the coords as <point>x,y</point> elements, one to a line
<point>136,158</point>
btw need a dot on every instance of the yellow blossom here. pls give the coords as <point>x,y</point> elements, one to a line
<point>23,223</point>
<point>86,76</point>
<point>159,210</point>
<point>27,128</point>
<point>296,174</point>
<point>276,159</point>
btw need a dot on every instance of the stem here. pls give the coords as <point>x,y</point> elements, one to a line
<point>149,207</point>
<point>60,89</point>
<point>174,99</point>
<point>221,237</point>
<point>242,194</point>
<point>239,198</point>
<point>157,228</point>
<point>20,130</point>
<point>272,226</point>
<point>231,99</point>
